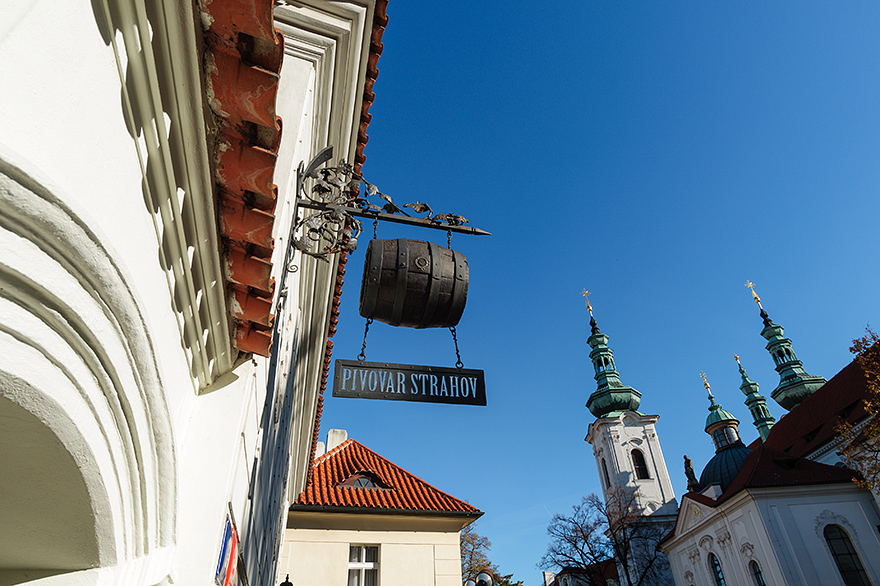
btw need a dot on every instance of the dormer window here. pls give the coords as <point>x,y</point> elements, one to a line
<point>364,479</point>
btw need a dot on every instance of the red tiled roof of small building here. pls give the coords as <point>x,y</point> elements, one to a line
<point>814,421</point>
<point>401,491</point>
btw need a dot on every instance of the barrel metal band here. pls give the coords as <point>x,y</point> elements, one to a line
<point>370,286</point>
<point>402,271</point>
<point>433,285</point>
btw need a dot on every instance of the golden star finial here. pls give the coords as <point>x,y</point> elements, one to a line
<point>706,383</point>
<point>751,286</point>
<point>586,295</point>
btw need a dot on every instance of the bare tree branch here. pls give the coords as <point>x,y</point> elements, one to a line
<point>602,528</point>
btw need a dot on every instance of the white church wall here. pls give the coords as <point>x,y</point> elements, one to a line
<point>736,537</point>
<point>780,529</point>
<point>796,520</point>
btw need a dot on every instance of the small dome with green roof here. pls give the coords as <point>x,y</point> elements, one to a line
<point>730,452</point>
<point>717,414</point>
<point>720,424</point>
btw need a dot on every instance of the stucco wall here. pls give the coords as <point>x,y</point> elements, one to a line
<point>65,130</point>
<point>419,558</point>
<point>780,529</point>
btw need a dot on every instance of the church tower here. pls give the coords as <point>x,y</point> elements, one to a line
<point>756,403</point>
<point>624,440</point>
<point>795,384</point>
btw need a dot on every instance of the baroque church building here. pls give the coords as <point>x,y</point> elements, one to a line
<point>784,510</point>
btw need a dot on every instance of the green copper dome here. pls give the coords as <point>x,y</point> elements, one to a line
<point>724,466</point>
<point>611,396</point>
<point>718,415</point>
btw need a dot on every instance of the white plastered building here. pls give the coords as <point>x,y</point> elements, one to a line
<point>161,369</point>
<point>364,520</point>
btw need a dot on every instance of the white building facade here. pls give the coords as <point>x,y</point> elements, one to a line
<point>784,510</point>
<point>161,369</point>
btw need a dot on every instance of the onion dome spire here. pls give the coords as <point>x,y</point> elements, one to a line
<point>611,396</point>
<point>795,384</point>
<point>719,420</point>
<point>756,403</point>
<point>730,453</point>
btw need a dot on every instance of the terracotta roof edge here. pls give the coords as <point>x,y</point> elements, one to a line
<point>476,514</point>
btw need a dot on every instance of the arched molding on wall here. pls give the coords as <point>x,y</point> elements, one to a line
<point>828,517</point>
<point>76,354</point>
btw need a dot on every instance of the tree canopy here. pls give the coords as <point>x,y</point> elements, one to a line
<point>861,444</point>
<point>475,558</point>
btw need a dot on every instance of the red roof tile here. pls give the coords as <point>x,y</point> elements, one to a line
<point>769,468</point>
<point>243,55</point>
<point>766,467</point>
<point>405,491</point>
<point>813,422</point>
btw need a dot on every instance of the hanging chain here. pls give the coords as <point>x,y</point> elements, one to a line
<point>458,362</point>
<point>375,227</point>
<point>363,355</point>
<point>449,242</point>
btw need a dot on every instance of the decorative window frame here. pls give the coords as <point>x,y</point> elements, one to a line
<point>828,517</point>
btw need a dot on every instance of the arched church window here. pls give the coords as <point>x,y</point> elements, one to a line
<point>639,464</point>
<point>605,472</point>
<point>715,569</point>
<point>848,563</point>
<point>757,576</point>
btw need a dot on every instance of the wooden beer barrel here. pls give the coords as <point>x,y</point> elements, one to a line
<point>414,284</point>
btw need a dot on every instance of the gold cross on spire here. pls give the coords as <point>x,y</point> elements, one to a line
<point>586,295</point>
<point>751,286</point>
<point>706,383</point>
<point>735,357</point>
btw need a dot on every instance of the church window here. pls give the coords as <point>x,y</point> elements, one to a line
<point>848,563</point>
<point>605,472</point>
<point>363,565</point>
<point>715,568</point>
<point>639,464</point>
<point>757,576</point>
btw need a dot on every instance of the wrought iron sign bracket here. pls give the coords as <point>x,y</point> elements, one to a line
<point>338,198</point>
<point>382,216</point>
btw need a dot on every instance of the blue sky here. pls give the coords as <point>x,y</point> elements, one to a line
<point>657,154</point>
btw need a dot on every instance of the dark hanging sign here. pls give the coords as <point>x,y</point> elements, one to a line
<point>406,382</point>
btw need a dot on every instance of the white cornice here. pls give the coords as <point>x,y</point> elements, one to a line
<point>333,40</point>
<point>157,53</point>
